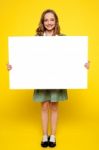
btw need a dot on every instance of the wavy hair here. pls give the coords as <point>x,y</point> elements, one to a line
<point>40,30</point>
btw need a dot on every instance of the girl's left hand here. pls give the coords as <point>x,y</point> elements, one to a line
<point>87,65</point>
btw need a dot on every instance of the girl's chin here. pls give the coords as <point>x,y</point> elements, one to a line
<point>50,29</point>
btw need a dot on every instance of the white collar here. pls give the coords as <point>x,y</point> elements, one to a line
<point>45,34</point>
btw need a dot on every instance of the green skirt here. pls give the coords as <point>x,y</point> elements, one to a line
<point>53,95</point>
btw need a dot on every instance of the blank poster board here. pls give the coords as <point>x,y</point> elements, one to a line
<point>48,62</point>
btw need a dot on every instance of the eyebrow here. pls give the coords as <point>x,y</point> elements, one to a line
<point>47,18</point>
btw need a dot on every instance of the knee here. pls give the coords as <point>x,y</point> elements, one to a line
<point>45,106</point>
<point>54,106</point>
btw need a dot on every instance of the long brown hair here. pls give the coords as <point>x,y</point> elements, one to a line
<point>40,30</point>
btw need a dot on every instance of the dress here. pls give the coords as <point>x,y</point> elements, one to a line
<point>52,95</point>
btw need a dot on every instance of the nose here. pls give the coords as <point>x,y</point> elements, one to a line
<point>49,22</point>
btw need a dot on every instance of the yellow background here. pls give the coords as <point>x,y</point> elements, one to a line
<point>78,124</point>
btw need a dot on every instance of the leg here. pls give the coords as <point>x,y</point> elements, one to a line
<point>54,116</point>
<point>44,116</point>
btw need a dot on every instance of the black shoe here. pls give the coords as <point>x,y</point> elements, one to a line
<point>52,144</point>
<point>45,143</point>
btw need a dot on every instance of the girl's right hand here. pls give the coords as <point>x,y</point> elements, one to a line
<point>9,67</point>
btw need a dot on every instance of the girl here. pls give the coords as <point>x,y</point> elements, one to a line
<point>49,26</point>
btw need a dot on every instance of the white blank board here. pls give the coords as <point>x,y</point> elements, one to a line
<point>48,62</point>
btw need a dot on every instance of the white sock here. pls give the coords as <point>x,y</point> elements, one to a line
<point>45,137</point>
<point>52,138</point>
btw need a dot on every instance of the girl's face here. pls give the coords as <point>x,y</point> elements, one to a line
<point>49,21</point>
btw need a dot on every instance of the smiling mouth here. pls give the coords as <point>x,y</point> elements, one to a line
<point>50,26</point>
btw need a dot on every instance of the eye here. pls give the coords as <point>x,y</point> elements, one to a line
<point>45,20</point>
<point>52,19</point>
